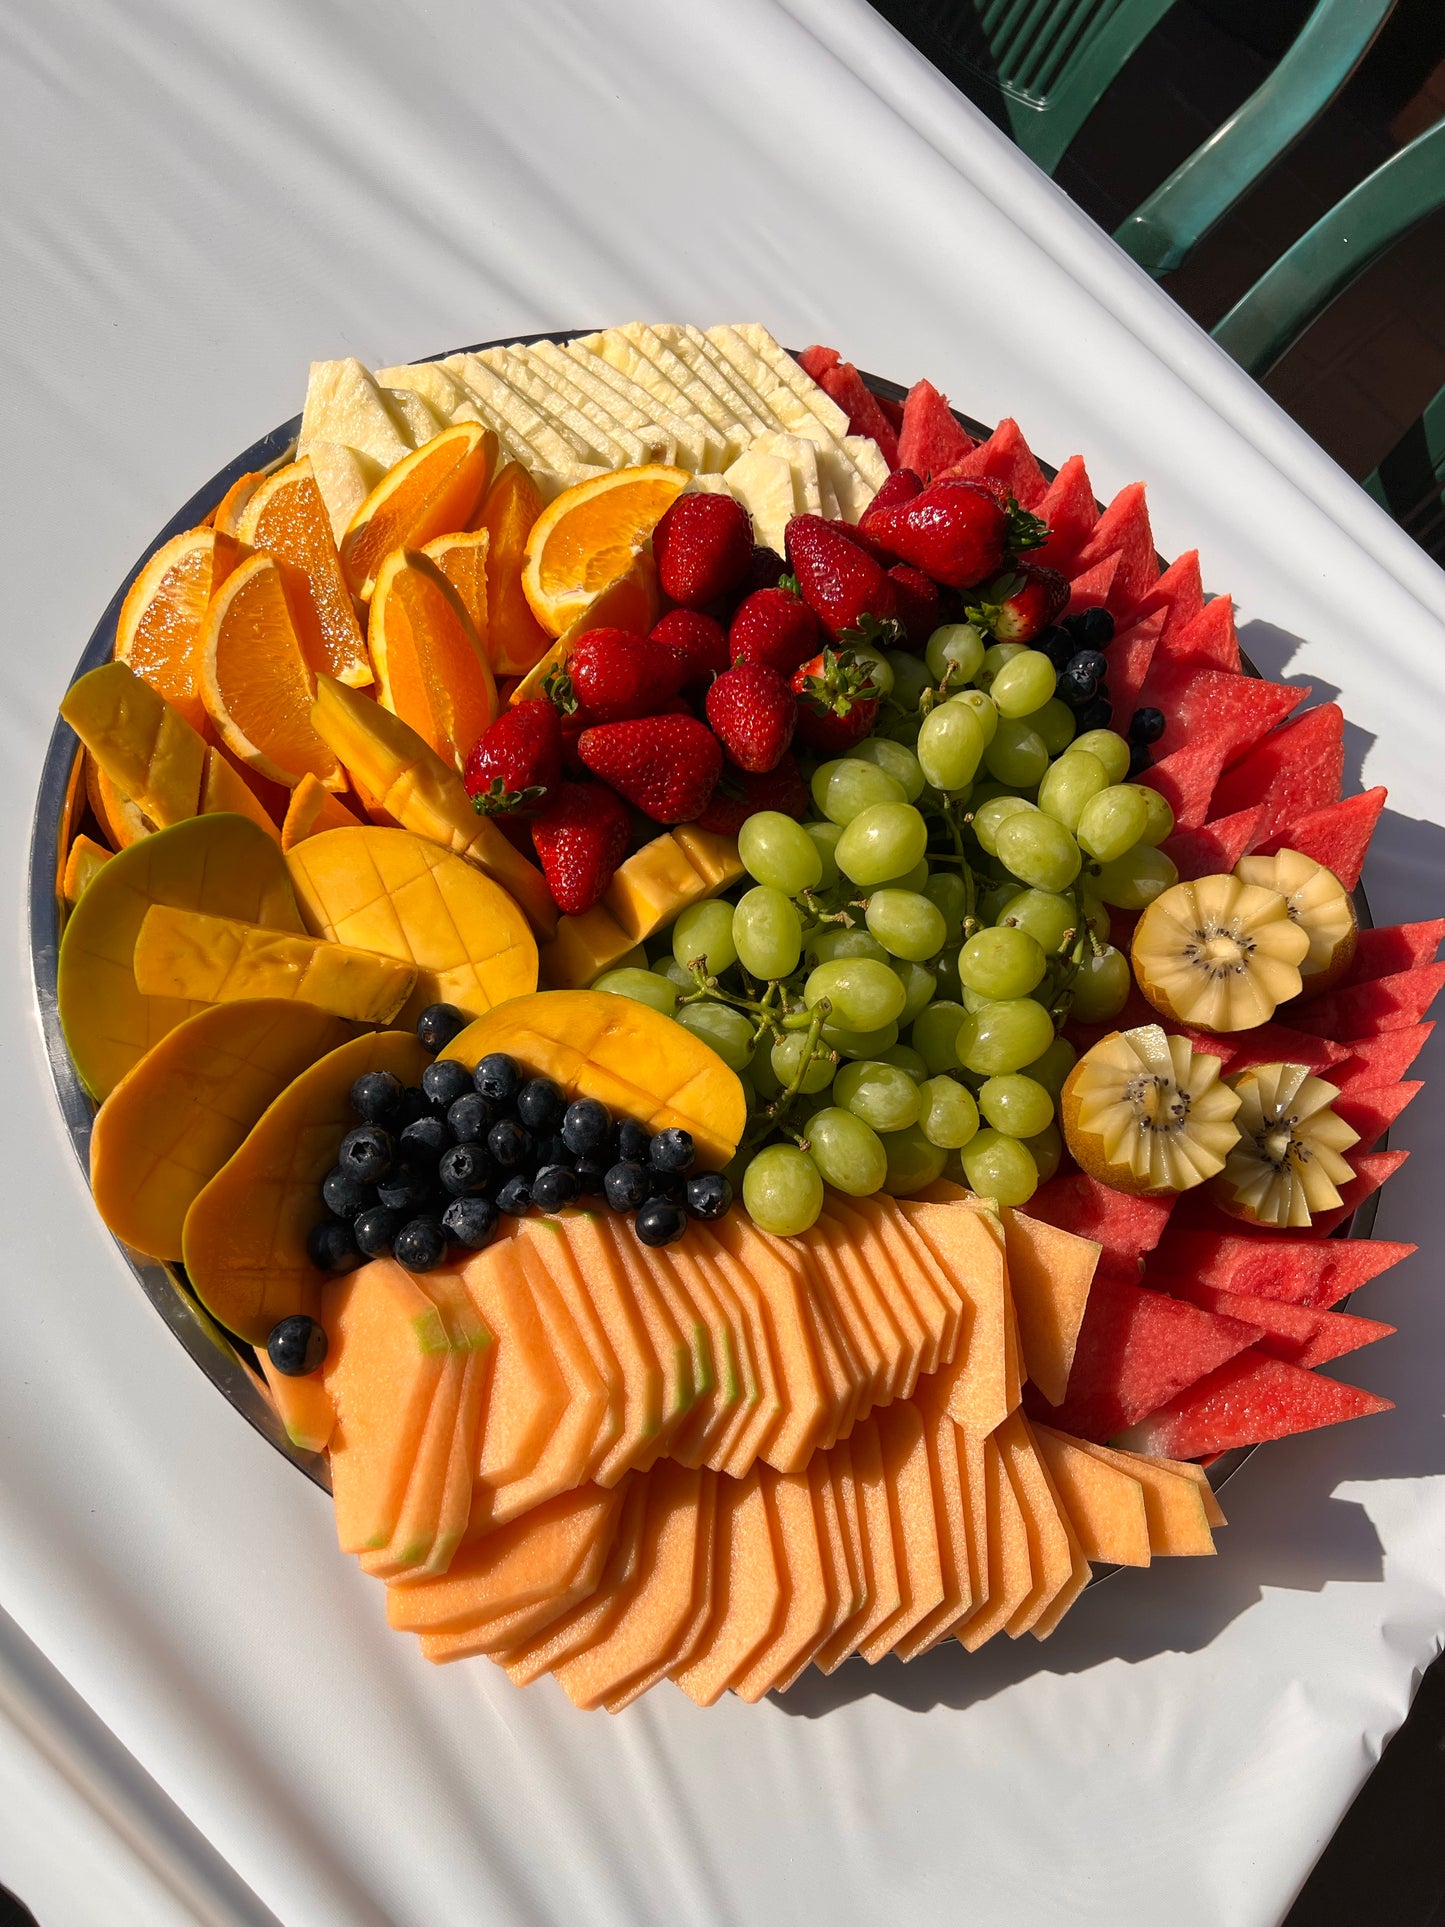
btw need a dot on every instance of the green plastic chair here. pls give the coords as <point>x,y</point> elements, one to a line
<point>1296,291</point>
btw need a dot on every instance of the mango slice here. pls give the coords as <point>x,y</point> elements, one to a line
<point>85,861</point>
<point>313,809</point>
<point>224,791</point>
<point>220,960</point>
<point>222,865</point>
<point>244,1238</point>
<point>399,895</point>
<point>636,1061</point>
<point>583,947</point>
<point>185,1108</point>
<point>147,748</point>
<point>388,761</point>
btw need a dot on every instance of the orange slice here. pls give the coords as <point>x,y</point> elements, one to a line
<point>160,619</point>
<point>256,682</point>
<point>226,516</point>
<point>462,559</point>
<point>434,491</point>
<point>628,603</point>
<point>514,637</point>
<point>287,518</point>
<point>429,664</point>
<point>590,535</point>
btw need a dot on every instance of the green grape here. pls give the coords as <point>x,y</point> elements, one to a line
<point>705,930</point>
<point>900,763</point>
<point>1024,684</point>
<point>779,852</point>
<point>682,980</point>
<point>825,836</point>
<point>906,923</point>
<point>1003,1037</point>
<point>1016,1105</point>
<point>1017,754</point>
<point>1055,723</point>
<point>832,940</point>
<point>863,994</point>
<point>1047,917</point>
<point>1096,916</point>
<point>912,880</point>
<point>845,787</point>
<point>883,1095</point>
<point>957,646</point>
<point>920,986</point>
<point>950,746</point>
<point>849,1155</point>
<point>1039,851</point>
<point>1111,750</point>
<point>991,902</point>
<point>882,841</point>
<point>996,657</point>
<point>642,986</point>
<point>1133,880</point>
<point>975,999</point>
<point>1101,988</point>
<point>906,1060</point>
<point>990,817</point>
<point>1068,785</point>
<point>768,933</point>
<point>728,1031</point>
<point>635,959</point>
<point>935,1035</point>
<point>911,676</point>
<point>913,1163</point>
<point>782,1191</point>
<point>764,1077</point>
<point>981,707</point>
<point>790,1052</point>
<point>1001,962</point>
<point>860,1043</point>
<point>1113,822</point>
<point>1161,817</point>
<point>1053,1066</point>
<point>877,662</point>
<point>948,890</point>
<point>946,980</point>
<point>997,1167</point>
<point>949,1116</point>
<point>1046,1149</point>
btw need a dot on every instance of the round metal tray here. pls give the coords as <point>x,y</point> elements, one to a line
<point>221,1356</point>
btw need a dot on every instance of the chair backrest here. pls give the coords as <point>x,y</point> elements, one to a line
<point>1164,230</point>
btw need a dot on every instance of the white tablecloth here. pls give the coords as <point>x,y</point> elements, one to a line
<point>197,201</point>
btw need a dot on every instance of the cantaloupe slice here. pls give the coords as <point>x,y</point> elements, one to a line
<point>1104,1503</point>
<point>1013,1371</point>
<point>303,1405</point>
<point>1173,1503</point>
<point>1050,1272</point>
<point>842,1583</point>
<point>244,1237</point>
<point>680,1648</point>
<point>403,897</point>
<point>673,1352</point>
<point>1081,1572</point>
<point>699,1433</point>
<point>606,1285</point>
<point>692,1327</point>
<point>833,1288</point>
<point>904,1442</point>
<point>834,1256</point>
<point>534,1653</point>
<point>176,1116</point>
<point>789,1499</point>
<point>874,1267</point>
<point>220,864</point>
<point>776,1266</point>
<point>1010,1570</point>
<point>905,1283</point>
<point>767,1413</point>
<point>921,1271</point>
<point>964,1248</point>
<point>839,1376</point>
<point>554,1254</point>
<point>940,1436</point>
<point>217,960</point>
<point>415,1532</point>
<point>747,1593</point>
<point>634,1060</point>
<point>973,1479</point>
<point>1049,1554</point>
<point>739,1421</point>
<point>527,1396</point>
<point>839,1461</point>
<point>884,1590</point>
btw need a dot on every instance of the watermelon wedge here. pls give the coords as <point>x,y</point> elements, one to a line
<point>1372,1112</point>
<point>1188,780</point>
<point>1133,1344</point>
<point>1201,704</point>
<point>1091,589</point>
<point>1129,656</point>
<point>817,360</point>
<point>1372,1168</point>
<point>893,410</point>
<point>1207,640</point>
<point>1251,1399</point>
<point>1395,947</point>
<point>1179,593</point>
<point>1337,835</point>
<point>1213,847</point>
<point>1294,1332</point>
<point>858,402</point>
<point>1376,1060</point>
<point>1006,457</point>
<point>1295,769</point>
<point>1126,1227</point>
<point>1123,530</point>
<point>1282,1044</point>
<point>1298,1271</point>
<point>930,440</point>
<point>1070,510</point>
<point>1382,1003</point>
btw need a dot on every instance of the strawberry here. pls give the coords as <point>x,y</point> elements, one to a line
<point>696,640</point>
<point>956,532</point>
<point>740,795</point>
<point>860,538</point>
<point>703,547</point>
<point>612,674</point>
<point>774,627</point>
<point>919,603</point>
<point>580,838</point>
<point>753,714</point>
<point>516,760</point>
<point>837,701</point>
<point>667,765</point>
<point>838,580</point>
<point>1021,603</point>
<point>901,486</point>
<point>765,571</point>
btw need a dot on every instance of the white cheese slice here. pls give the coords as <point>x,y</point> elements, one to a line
<point>696,352</point>
<point>551,481</point>
<point>656,446</point>
<point>441,392</point>
<point>838,476</point>
<point>344,405</point>
<point>711,484</point>
<point>802,460</point>
<point>811,414</point>
<point>344,478</point>
<point>869,460</point>
<point>593,443</point>
<point>666,399</point>
<point>680,388</point>
<point>764,485</point>
<point>417,419</point>
<point>511,448</point>
<point>540,444</point>
<point>793,376</point>
<point>694,450</point>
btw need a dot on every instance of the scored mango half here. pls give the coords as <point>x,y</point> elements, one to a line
<point>220,960</point>
<point>147,748</point>
<point>631,1058</point>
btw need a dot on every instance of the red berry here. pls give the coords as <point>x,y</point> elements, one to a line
<point>901,486</point>
<point>696,640</point>
<point>580,838</point>
<point>516,760</point>
<point>839,580</point>
<point>740,795</point>
<point>612,674</point>
<point>703,547</point>
<point>765,571</point>
<point>1022,602</point>
<point>919,602</point>
<point>667,765</point>
<point>752,710</point>
<point>773,627</point>
<point>837,701</point>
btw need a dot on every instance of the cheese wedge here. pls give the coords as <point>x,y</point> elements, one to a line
<point>410,409</point>
<point>763,483</point>
<point>345,405</point>
<point>696,448</point>
<point>592,443</point>
<point>567,382</point>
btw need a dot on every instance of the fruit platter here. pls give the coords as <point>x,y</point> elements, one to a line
<point>722,1003</point>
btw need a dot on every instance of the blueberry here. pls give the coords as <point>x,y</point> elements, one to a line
<point>1094,628</point>
<point>438,1025</point>
<point>1139,760</point>
<point>405,1189</point>
<point>586,1126</point>
<point>591,1174</point>
<point>414,1104</point>
<point>1076,689</point>
<point>463,1169</point>
<point>666,1184</point>
<point>1087,663</point>
<point>471,1222</point>
<point>420,1245</point>
<point>660,1222</point>
<point>1147,726</point>
<point>365,1153</point>
<point>375,1229</point>
<point>510,1143</point>
<point>424,1140</point>
<point>376,1096</point>
<point>540,1104</point>
<point>331,1246</point>
<point>515,1197</point>
<point>497,1077</point>
<point>626,1185</point>
<point>297,1346</point>
<point>445,1081</point>
<point>1097,714</point>
<point>552,1149</point>
<point>343,1195</point>
<point>470,1118</point>
<point>632,1142</point>
<point>708,1194</point>
<point>1058,645</point>
<point>554,1186</point>
<point>672,1150</point>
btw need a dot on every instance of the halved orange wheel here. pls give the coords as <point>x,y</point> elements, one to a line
<point>591,535</point>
